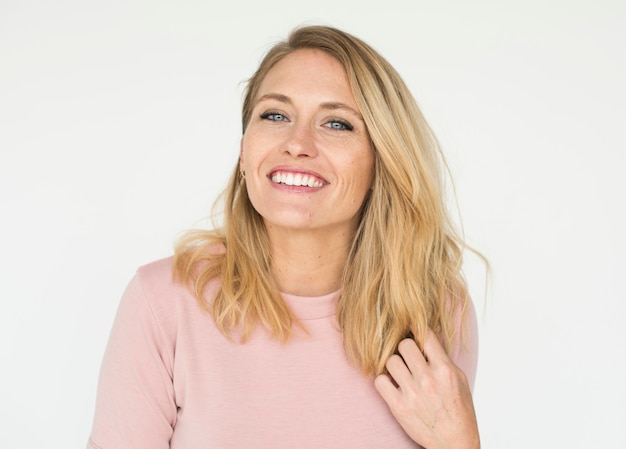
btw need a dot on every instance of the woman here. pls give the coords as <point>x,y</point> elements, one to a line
<point>289,326</point>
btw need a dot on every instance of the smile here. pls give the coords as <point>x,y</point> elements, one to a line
<point>297,179</point>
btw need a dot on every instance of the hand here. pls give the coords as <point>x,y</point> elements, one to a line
<point>432,402</point>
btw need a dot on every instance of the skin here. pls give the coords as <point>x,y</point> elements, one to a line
<point>432,400</point>
<point>306,123</point>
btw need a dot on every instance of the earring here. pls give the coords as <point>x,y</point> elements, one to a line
<point>243,172</point>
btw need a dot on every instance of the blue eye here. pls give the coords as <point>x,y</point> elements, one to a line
<point>340,125</point>
<point>273,116</point>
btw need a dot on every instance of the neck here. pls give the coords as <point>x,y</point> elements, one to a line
<point>307,263</point>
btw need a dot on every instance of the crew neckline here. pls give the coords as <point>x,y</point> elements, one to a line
<point>312,307</point>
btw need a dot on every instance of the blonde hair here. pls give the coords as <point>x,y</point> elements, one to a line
<point>403,272</point>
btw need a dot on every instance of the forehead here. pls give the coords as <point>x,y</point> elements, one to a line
<point>308,72</point>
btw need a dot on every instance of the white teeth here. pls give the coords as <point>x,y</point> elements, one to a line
<point>298,179</point>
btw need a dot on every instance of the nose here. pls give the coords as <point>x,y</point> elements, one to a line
<point>300,141</point>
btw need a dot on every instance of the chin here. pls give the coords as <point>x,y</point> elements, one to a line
<point>290,222</point>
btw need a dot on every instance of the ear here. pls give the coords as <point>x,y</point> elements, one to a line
<point>241,154</point>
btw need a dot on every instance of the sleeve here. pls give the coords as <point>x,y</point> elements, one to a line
<point>135,406</point>
<point>465,350</point>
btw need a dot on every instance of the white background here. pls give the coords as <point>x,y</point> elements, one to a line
<point>119,125</point>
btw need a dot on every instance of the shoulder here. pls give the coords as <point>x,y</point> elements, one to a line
<point>151,296</point>
<point>155,304</point>
<point>161,289</point>
<point>154,294</point>
<point>163,292</point>
<point>156,277</point>
<point>465,348</point>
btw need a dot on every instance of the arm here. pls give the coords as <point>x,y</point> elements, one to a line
<point>135,405</point>
<point>433,400</point>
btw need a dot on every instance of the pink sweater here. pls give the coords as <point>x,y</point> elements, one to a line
<point>170,379</point>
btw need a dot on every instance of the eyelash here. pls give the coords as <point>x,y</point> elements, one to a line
<point>267,115</point>
<point>345,125</point>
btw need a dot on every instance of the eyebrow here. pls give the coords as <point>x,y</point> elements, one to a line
<point>331,105</point>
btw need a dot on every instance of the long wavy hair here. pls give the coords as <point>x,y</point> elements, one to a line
<point>403,271</point>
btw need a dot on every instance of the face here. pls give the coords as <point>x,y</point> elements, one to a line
<point>306,152</point>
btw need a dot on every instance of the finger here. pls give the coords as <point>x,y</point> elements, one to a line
<point>412,355</point>
<point>398,370</point>
<point>433,349</point>
<point>385,387</point>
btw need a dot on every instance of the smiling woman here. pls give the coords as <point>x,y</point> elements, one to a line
<point>288,327</point>
<point>307,126</point>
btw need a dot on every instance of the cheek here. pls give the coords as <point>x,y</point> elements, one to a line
<point>359,183</point>
<point>250,152</point>
<point>365,167</point>
<point>256,144</point>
